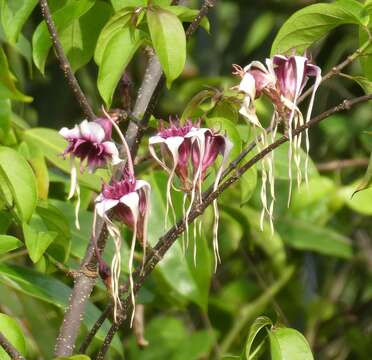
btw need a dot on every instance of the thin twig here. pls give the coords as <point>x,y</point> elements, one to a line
<point>64,62</point>
<point>9,348</point>
<point>171,236</point>
<point>342,164</point>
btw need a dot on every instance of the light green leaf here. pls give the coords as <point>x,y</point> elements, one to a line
<point>116,23</point>
<point>117,55</point>
<point>9,243</point>
<point>289,344</point>
<point>248,183</point>
<point>5,116</point>
<point>37,239</point>
<point>14,14</point>
<point>20,179</point>
<point>311,23</point>
<point>305,236</point>
<point>63,18</point>
<point>55,221</point>
<point>13,333</point>
<point>53,291</point>
<point>169,40</point>
<point>259,324</point>
<point>192,109</point>
<point>360,202</point>
<point>8,89</point>
<point>52,145</point>
<point>119,4</point>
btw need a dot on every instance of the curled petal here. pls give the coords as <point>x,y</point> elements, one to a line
<point>105,205</point>
<point>73,133</point>
<point>111,149</point>
<point>92,131</point>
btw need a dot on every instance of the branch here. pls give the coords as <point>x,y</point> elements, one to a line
<point>144,106</point>
<point>342,164</point>
<point>9,348</point>
<point>337,69</point>
<point>64,63</point>
<point>171,236</point>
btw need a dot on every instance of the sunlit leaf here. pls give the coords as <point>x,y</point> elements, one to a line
<point>8,243</point>
<point>259,324</point>
<point>13,333</point>
<point>289,344</point>
<point>20,180</point>
<point>169,40</point>
<point>311,23</point>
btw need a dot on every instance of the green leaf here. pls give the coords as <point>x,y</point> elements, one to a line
<point>9,243</point>
<point>305,236</point>
<point>281,163</point>
<point>169,40</point>
<point>52,145</point>
<point>227,126</point>
<point>289,344</point>
<point>63,18</point>
<point>364,83</point>
<point>259,324</point>
<point>116,23</point>
<point>360,202</point>
<point>20,179</point>
<point>192,109</point>
<point>8,89</point>
<point>367,179</point>
<point>117,55</point>
<point>36,159</point>
<point>52,291</point>
<point>79,39</point>
<point>119,4</point>
<point>178,271</point>
<point>5,116</point>
<point>37,239</point>
<point>186,14</point>
<point>311,23</point>
<point>13,333</point>
<point>248,183</point>
<point>14,14</point>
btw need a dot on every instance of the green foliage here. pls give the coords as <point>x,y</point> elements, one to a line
<point>13,333</point>
<point>8,243</point>
<point>169,40</point>
<point>311,23</point>
<point>18,180</point>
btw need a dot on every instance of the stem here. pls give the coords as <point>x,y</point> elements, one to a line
<point>342,164</point>
<point>171,236</point>
<point>9,348</point>
<point>337,69</point>
<point>64,62</point>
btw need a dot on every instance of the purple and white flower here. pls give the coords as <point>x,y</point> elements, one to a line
<point>129,202</point>
<point>91,143</point>
<point>188,151</point>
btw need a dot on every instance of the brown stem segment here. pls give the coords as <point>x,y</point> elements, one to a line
<point>64,62</point>
<point>171,236</point>
<point>9,348</point>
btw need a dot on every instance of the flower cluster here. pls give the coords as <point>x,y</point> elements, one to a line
<point>188,151</point>
<point>282,80</point>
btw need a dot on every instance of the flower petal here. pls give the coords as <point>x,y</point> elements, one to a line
<point>132,201</point>
<point>73,133</point>
<point>92,131</point>
<point>156,140</point>
<point>110,148</point>
<point>248,85</point>
<point>105,205</point>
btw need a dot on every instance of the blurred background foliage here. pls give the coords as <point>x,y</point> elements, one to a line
<point>313,274</point>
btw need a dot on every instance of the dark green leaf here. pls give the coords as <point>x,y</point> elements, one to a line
<point>169,40</point>
<point>14,14</point>
<point>73,357</point>
<point>13,333</point>
<point>311,23</point>
<point>52,291</point>
<point>289,344</point>
<point>117,55</point>
<point>304,236</point>
<point>20,180</point>
<point>8,243</point>
<point>5,116</point>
